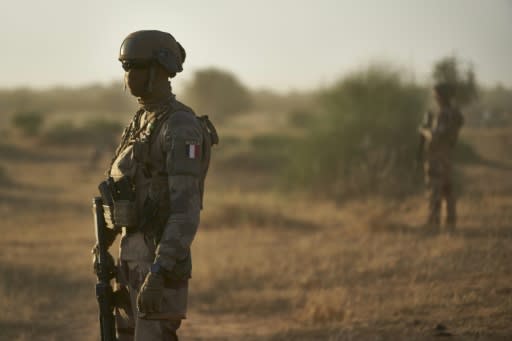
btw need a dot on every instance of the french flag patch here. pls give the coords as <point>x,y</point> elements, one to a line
<point>193,150</point>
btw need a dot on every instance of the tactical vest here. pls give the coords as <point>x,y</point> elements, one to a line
<point>451,121</point>
<point>141,136</point>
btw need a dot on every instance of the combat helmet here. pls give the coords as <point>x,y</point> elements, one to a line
<point>149,46</point>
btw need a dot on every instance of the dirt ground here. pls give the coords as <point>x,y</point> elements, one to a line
<point>267,265</point>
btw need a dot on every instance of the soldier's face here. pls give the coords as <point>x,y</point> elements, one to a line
<point>137,80</point>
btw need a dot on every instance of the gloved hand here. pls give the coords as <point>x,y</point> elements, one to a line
<point>110,266</point>
<point>151,293</point>
<point>122,298</point>
<point>426,133</point>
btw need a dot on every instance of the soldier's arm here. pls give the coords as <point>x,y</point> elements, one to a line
<point>182,140</point>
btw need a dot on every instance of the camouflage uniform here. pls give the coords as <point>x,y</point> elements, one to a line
<point>165,152</point>
<point>441,130</point>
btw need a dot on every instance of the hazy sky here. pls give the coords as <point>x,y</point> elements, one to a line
<point>281,44</point>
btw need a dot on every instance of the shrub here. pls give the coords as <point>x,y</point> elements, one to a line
<point>103,131</point>
<point>63,132</point>
<point>96,131</point>
<point>29,122</point>
<point>218,93</point>
<point>270,152</point>
<point>108,98</point>
<point>300,118</point>
<point>365,136</point>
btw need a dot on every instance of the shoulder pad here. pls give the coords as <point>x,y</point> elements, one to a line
<point>182,118</point>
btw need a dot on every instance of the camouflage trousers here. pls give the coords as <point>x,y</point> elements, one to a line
<point>441,189</point>
<point>131,326</point>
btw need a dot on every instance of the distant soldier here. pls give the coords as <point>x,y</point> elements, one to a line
<point>157,180</point>
<point>439,133</point>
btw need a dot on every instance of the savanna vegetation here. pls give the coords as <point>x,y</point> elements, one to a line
<point>312,221</point>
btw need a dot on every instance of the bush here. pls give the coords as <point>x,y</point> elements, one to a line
<point>218,93</point>
<point>96,131</point>
<point>62,132</point>
<point>300,118</point>
<point>29,123</point>
<point>365,136</point>
<point>270,152</point>
<point>109,98</point>
<point>99,127</point>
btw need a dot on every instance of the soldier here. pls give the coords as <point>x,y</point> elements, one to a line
<point>158,173</point>
<point>439,132</point>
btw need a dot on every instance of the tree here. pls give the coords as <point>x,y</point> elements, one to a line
<point>451,70</point>
<point>217,92</point>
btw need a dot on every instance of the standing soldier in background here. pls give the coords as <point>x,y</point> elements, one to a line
<point>439,133</point>
<point>156,179</point>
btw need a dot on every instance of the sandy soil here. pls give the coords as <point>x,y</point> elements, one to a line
<point>270,266</point>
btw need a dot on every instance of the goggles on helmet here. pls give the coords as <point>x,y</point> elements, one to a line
<point>135,64</point>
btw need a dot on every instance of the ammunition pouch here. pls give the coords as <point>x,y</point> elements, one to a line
<point>182,270</point>
<point>149,211</point>
<point>125,213</point>
<point>154,218</point>
<point>178,277</point>
<point>119,198</point>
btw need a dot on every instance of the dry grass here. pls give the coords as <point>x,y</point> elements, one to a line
<point>270,266</point>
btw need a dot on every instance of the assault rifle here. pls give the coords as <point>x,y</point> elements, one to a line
<point>420,152</point>
<point>104,293</point>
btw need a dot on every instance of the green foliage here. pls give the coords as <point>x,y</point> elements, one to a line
<point>266,153</point>
<point>218,93</point>
<point>365,138</point>
<point>28,122</point>
<point>63,132</point>
<point>96,131</point>
<point>451,70</point>
<point>270,151</point>
<point>300,118</point>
